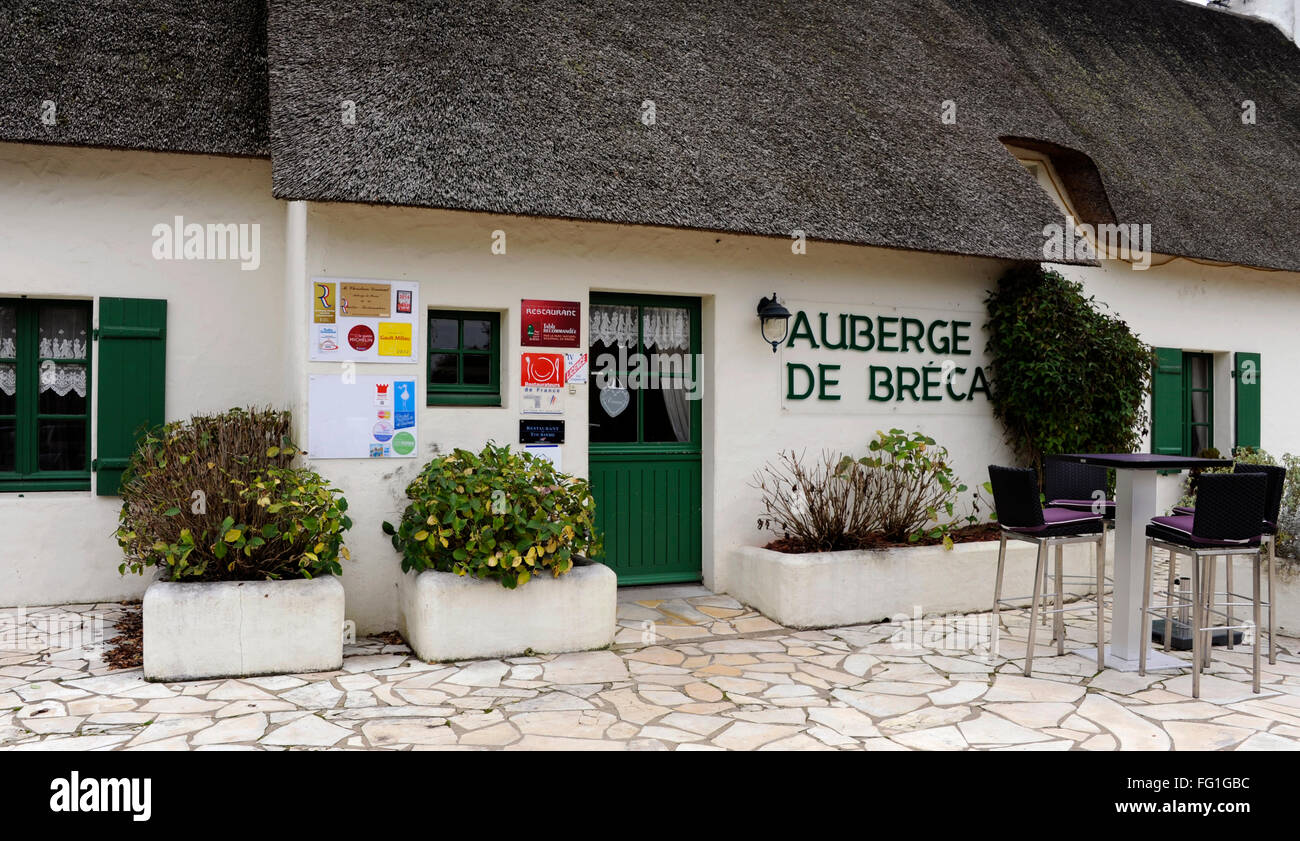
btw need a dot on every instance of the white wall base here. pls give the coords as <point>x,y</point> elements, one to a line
<point>242,628</point>
<point>444,616</point>
<point>829,589</point>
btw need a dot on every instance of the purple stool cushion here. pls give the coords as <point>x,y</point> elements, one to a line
<point>1060,522</point>
<point>1269,528</point>
<point>1178,529</point>
<point>1107,506</point>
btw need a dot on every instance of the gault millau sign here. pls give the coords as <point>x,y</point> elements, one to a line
<point>871,360</point>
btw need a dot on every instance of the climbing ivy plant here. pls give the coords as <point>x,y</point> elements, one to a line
<point>1067,376</point>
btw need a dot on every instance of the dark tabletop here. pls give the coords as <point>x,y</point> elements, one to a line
<point>1143,461</point>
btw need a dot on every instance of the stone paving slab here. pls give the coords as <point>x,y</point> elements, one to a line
<point>690,670</point>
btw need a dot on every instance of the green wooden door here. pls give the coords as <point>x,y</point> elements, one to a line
<point>644,425</point>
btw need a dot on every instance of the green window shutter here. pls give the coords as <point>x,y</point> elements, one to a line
<point>1245,374</point>
<point>1167,402</point>
<point>132,360</point>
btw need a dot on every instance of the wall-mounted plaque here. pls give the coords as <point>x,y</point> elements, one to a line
<point>541,431</point>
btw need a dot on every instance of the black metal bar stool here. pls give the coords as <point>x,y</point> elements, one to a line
<point>1272,509</point>
<point>1228,521</point>
<point>1022,517</point>
<point>1078,487</point>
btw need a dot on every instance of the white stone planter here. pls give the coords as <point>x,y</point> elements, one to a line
<point>829,589</point>
<point>242,628</point>
<point>444,616</point>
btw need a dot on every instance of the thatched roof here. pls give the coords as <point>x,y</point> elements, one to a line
<point>769,115</point>
<point>772,116</point>
<point>166,75</point>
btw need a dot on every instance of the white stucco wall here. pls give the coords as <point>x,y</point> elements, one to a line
<point>744,421</point>
<point>1220,310</point>
<point>78,223</point>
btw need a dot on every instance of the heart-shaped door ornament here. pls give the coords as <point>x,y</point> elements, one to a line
<point>614,399</point>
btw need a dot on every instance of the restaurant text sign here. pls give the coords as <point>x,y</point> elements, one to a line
<point>551,324</point>
<point>902,359</point>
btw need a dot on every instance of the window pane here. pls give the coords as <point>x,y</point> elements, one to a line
<point>62,389</point>
<point>63,331</point>
<point>1200,366</point>
<point>1200,407</point>
<point>8,443</point>
<point>8,331</point>
<point>667,414</point>
<point>442,333</point>
<point>8,388</point>
<point>61,444</point>
<point>442,369</point>
<point>1200,439</point>
<point>611,413</point>
<point>478,334</point>
<point>476,369</point>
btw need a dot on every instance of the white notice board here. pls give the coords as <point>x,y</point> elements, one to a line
<point>362,417</point>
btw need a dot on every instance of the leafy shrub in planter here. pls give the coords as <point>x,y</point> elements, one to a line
<point>904,490</point>
<point>917,485</point>
<point>495,514</point>
<point>1067,377</point>
<point>214,498</point>
<point>827,506</point>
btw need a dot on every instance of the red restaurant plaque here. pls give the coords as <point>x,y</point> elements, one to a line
<point>551,324</point>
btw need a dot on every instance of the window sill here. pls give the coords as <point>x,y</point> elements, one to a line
<point>471,400</point>
<point>27,486</point>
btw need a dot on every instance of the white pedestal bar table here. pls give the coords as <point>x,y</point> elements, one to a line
<point>1135,505</point>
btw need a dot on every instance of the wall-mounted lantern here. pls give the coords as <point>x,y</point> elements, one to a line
<point>774,320</point>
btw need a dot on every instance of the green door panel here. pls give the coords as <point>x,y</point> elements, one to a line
<point>648,509</point>
<point>644,453</point>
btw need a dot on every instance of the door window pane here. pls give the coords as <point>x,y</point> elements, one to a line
<point>1200,371</point>
<point>1200,407</point>
<point>1200,439</point>
<point>612,412</point>
<point>666,329</point>
<point>612,326</point>
<point>667,414</point>
<point>61,444</point>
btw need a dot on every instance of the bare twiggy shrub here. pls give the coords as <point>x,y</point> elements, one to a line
<point>826,504</point>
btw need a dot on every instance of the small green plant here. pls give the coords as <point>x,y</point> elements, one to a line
<point>495,514</point>
<point>918,488</point>
<point>213,498</point>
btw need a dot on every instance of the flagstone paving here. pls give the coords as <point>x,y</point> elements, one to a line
<point>690,670</point>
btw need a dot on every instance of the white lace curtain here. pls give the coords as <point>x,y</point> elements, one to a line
<point>62,336</point>
<point>667,329</point>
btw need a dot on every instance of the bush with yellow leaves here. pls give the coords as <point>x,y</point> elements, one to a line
<point>214,498</point>
<point>495,514</point>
